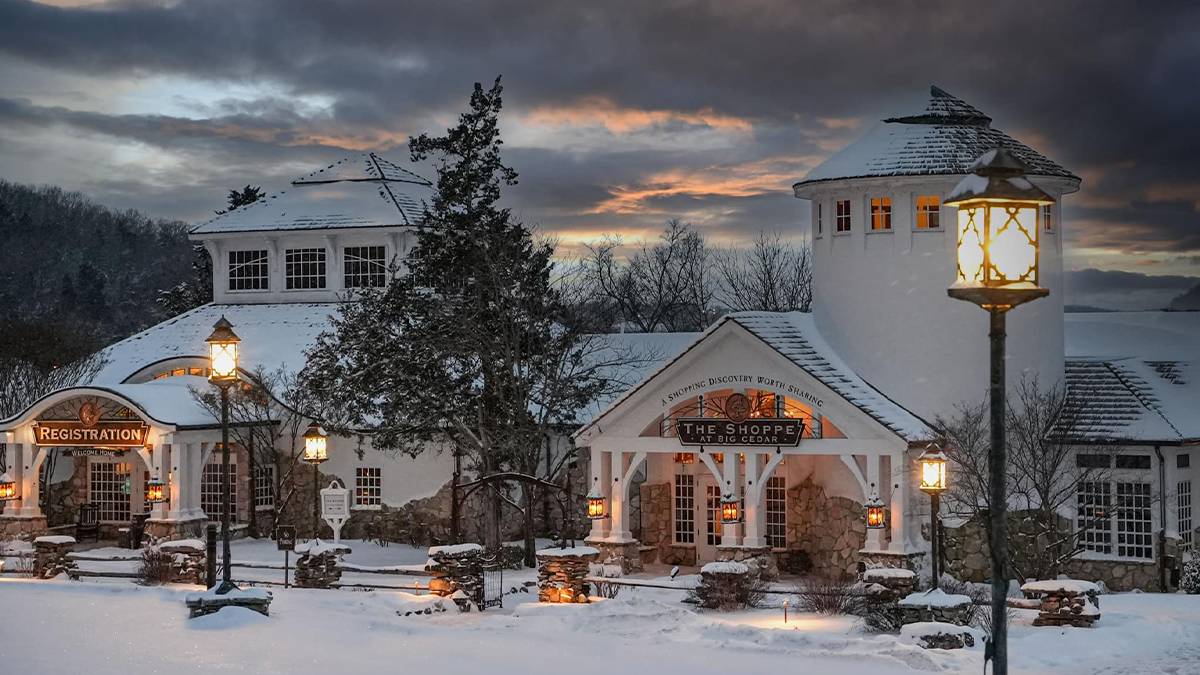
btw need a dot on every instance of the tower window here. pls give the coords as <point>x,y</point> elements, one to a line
<point>305,268</point>
<point>820,218</point>
<point>248,271</point>
<point>881,214</point>
<point>1048,217</point>
<point>842,223</point>
<point>929,216</point>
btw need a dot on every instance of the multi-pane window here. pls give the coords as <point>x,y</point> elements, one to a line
<point>1183,505</point>
<point>368,486</point>
<point>881,214</point>
<point>1094,515</point>
<point>108,489</point>
<point>365,266</point>
<point>1133,461</point>
<point>1134,536</point>
<point>264,486</point>
<point>929,214</point>
<point>248,271</point>
<point>210,491</point>
<point>1047,217</point>
<point>776,499</point>
<point>820,218</point>
<point>304,268</point>
<point>712,515</point>
<point>685,509</point>
<point>842,215</point>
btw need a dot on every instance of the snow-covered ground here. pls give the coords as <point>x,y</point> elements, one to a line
<point>116,627</point>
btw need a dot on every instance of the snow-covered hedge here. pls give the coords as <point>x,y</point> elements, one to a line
<point>1190,581</point>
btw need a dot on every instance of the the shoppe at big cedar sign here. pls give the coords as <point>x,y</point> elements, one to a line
<point>764,438</point>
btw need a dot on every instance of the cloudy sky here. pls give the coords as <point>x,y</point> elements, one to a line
<point>619,115</point>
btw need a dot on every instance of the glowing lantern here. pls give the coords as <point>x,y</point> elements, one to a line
<point>998,211</point>
<point>8,488</point>
<point>933,471</point>
<point>316,444</point>
<point>731,510</point>
<point>156,491</point>
<point>223,353</point>
<point>596,507</point>
<point>876,516</point>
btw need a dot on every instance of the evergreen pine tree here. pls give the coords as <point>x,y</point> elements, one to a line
<point>469,345</point>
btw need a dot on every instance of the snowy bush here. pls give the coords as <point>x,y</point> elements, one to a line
<point>1190,581</point>
<point>828,595</point>
<point>155,567</point>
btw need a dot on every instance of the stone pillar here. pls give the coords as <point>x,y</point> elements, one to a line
<point>624,554</point>
<point>562,573</point>
<point>729,486</point>
<point>319,564</point>
<point>458,567</point>
<point>51,555</point>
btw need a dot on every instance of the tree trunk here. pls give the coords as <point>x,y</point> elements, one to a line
<point>527,492</point>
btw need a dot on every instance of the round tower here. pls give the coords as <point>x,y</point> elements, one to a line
<point>884,255</point>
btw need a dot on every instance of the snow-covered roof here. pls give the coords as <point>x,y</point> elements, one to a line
<point>273,335</point>
<point>943,139</point>
<point>363,190</point>
<point>168,402</point>
<point>1134,376</point>
<point>795,336</point>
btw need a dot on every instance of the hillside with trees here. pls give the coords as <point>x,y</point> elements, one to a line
<point>75,275</point>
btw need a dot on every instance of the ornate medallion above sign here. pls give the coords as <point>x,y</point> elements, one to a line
<point>752,432</point>
<point>90,431</point>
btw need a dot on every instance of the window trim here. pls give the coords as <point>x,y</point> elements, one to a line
<point>323,264</point>
<point>266,288</point>
<point>917,213</point>
<point>358,485</point>
<point>837,218</point>
<point>885,213</point>
<point>820,221</point>
<point>264,468</point>
<point>359,260</point>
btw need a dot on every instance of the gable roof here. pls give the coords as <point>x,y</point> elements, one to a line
<point>1134,377</point>
<point>363,190</point>
<point>943,139</point>
<point>795,336</point>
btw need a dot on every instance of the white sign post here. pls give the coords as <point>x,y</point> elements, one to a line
<point>335,507</point>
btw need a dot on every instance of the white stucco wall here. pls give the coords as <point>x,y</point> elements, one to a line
<point>880,298</point>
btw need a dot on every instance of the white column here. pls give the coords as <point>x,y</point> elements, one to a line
<point>620,514</point>
<point>29,463</point>
<point>180,472</point>
<point>875,487</point>
<point>755,492</point>
<point>601,483</point>
<point>899,502</point>
<point>729,486</point>
<point>191,489</point>
<point>158,468</point>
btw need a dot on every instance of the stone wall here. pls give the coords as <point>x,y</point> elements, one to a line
<point>831,530</point>
<point>967,557</point>
<point>656,520</point>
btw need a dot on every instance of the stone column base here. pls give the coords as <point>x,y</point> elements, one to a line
<point>759,559</point>
<point>163,528</point>
<point>905,561</point>
<point>626,554</point>
<point>22,527</point>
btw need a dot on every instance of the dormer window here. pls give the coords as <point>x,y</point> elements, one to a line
<point>365,266</point>
<point>842,224</point>
<point>248,271</point>
<point>881,214</point>
<point>929,212</point>
<point>304,268</point>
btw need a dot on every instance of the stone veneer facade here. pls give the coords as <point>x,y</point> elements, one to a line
<point>831,530</point>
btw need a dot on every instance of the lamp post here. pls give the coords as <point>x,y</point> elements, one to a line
<point>933,483</point>
<point>316,451</point>
<point>998,270</point>
<point>223,372</point>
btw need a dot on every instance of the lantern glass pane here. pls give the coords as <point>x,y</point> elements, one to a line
<point>970,246</point>
<point>1013,247</point>
<point>223,360</point>
<point>314,448</point>
<point>8,491</point>
<point>933,475</point>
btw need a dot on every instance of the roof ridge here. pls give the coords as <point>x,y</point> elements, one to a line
<point>384,187</point>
